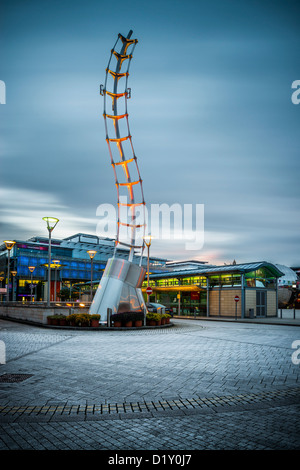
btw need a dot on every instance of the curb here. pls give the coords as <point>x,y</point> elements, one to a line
<point>151,409</point>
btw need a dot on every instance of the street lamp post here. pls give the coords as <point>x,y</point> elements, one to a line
<point>51,223</point>
<point>1,279</point>
<point>56,265</point>
<point>14,273</point>
<point>31,269</point>
<point>91,254</point>
<point>9,244</point>
<point>147,240</point>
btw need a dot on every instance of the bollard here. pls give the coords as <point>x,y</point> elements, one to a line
<point>109,311</point>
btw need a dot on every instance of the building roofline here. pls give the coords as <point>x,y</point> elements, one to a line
<point>240,268</point>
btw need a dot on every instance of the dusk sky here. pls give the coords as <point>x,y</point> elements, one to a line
<point>211,118</point>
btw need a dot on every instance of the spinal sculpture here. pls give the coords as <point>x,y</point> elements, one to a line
<point>120,287</point>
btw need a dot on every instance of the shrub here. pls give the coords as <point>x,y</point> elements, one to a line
<point>95,316</point>
<point>82,318</point>
<point>71,318</point>
<point>153,316</point>
<point>125,317</point>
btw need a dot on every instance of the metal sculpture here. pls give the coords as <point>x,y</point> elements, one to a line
<point>120,286</point>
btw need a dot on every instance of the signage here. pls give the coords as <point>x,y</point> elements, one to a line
<point>195,295</point>
<point>236,298</point>
<point>149,290</point>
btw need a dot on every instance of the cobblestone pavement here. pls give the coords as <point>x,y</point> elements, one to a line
<point>195,385</point>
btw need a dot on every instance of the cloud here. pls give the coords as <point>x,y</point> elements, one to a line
<point>211,118</point>
<point>22,212</point>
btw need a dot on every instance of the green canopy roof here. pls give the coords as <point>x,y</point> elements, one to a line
<point>232,268</point>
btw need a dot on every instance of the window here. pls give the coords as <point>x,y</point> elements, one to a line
<point>260,278</point>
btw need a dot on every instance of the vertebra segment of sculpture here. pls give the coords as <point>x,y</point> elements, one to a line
<point>120,286</point>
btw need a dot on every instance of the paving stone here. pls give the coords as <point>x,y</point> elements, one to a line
<point>198,385</point>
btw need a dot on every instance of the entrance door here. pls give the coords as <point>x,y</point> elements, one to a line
<point>261,303</point>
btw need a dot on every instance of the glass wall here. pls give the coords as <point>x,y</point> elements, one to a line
<point>189,303</point>
<point>193,303</point>
<point>260,278</point>
<point>225,280</point>
<point>184,281</point>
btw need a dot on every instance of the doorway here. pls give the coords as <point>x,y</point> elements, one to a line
<point>261,303</point>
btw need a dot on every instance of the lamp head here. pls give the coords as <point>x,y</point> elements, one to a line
<point>147,239</point>
<point>51,222</point>
<point>9,244</point>
<point>92,253</point>
<point>56,263</point>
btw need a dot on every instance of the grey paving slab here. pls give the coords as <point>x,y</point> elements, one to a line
<point>197,385</point>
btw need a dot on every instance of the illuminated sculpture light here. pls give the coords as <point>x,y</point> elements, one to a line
<point>120,286</point>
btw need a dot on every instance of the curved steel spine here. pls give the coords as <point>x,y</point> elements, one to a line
<point>121,57</point>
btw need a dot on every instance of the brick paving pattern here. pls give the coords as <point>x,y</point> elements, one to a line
<point>196,385</point>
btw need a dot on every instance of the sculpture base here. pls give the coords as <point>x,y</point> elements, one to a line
<point>119,289</point>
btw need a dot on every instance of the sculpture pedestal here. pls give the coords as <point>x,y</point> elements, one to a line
<point>119,289</point>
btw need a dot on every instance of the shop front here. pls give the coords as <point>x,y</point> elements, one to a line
<point>247,290</point>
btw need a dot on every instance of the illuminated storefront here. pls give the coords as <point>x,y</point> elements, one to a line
<point>72,267</point>
<point>242,290</point>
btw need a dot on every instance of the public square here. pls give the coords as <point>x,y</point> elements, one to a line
<point>196,385</point>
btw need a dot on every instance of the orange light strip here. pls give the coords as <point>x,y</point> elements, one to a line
<point>123,162</point>
<point>111,116</point>
<point>121,56</point>
<point>130,225</point>
<point>127,42</point>
<point>115,95</point>
<point>120,139</point>
<point>118,74</point>
<point>130,183</point>
<point>131,205</point>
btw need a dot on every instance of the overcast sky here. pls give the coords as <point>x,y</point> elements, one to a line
<point>211,118</point>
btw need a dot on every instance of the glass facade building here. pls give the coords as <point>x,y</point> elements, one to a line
<point>72,269</point>
<point>242,290</point>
